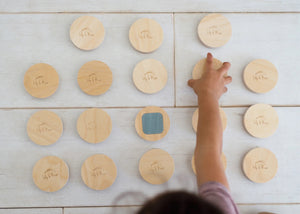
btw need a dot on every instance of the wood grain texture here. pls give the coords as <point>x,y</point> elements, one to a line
<point>46,38</point>
<point>94,77</point>
<point>261,120</point>
<point>245,45</point>
<point>94,125</point>
<point>260,165</point>
<point>98,172</point>
<point>18,189</point>
<point>44,127</point>
<point>156,166</point>
<point>87,32</point>
<point>149,6</point>
<point>146,35</point>
<point>214,30</point>
<point>260,76</point>
<point>150,76</point>
<point>41,80</point>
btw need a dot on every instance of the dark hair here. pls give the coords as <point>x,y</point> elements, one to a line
<point>178,202</point>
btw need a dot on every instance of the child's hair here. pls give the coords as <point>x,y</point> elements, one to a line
<point>178,202</point>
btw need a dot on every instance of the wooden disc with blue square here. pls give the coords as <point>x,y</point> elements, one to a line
<point>152,123</point>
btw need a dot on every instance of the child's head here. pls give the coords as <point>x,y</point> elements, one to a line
<point>179,202</point>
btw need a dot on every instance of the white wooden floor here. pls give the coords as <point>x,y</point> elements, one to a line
<point>37,31</point>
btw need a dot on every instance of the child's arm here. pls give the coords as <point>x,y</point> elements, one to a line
<point>208,149</point>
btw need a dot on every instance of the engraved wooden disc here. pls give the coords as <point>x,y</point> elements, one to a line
<point>223,159</point>
<point>94,77</point>
<point>87,32</point>
<point>41,80</point>
<point>195,119</point>
<point>44,127</point>
<point>260,165</point>
<point>94,125</point>
<point>200,67</point>
<point>98,172</point>
<point>146,35</point>
<point>260,76</point>
<point>214,30</point>
<point>139,123</point>
<point>156,166</point>
<point>150,76</point>
<point>261,120</point>
<point>50,174</point>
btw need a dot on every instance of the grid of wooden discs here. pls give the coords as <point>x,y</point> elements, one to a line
<point>152,123</point>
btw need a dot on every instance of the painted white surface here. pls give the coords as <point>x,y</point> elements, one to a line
<point>102,210</point>
<point>18,156</point>
<point>32,211</point>
<point>29,39</point>
<point>149,6</point>
<point>275,37</point>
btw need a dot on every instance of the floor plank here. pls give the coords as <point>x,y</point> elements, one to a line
<point>18,155</point>
<point>32,211</point>
<point>255,36</point>
<point>149,6</point>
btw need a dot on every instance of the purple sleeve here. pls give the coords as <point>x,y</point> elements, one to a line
<point>218,195</point>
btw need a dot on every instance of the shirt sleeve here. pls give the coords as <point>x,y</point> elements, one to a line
<point>219,195</point>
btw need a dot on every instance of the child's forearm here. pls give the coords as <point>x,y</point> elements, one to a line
<point>209,142</point>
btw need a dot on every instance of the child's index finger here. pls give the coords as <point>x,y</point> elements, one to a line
<point>209,62</point>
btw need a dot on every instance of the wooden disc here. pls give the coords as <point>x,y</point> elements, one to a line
<point>44,127</point>
<point>223,159</point>
<point>94,77</point>
<point>87,32</point>
<point>146,35</point>
<point>150,76</point>
<point>260,165</point>
<point>200,67</point>
<point>156,166</point>
<point>41,80</point>
<point>98,172</point>
<point>94,125</point>
<point>214,30</point>
<point>260,76</point>
<point>150,118</point>
<point>50,174</point>
<point>261,120</point>
<point>196,115</point>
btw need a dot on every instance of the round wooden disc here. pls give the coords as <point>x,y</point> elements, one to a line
<point>150,76</point>
<point>41,80</point>
<point>87,32</point>
<point>94,77</point>
<point>50,174</point>
<point>98,172</point>
<point>156,166</point>
<point>165,123</point>
<point>44,127</point>
<point>214,30</point>
<point>260,76</point>
<point>146,35</point>
<point>261,120</point>
<point>94,125</point>
<point>260,165</point>
<point>223,159</point>
<point>195,119</point>
<point>200,67</point>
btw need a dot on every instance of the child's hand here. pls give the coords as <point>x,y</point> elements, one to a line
<point>213,82</point>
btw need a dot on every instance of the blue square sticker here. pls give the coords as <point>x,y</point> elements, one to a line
<point>152,123</point>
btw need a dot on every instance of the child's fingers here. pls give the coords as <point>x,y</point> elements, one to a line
<point>209,61</point>
<point>224,68</point>
<point>191,83</point>
<point>227,80</point>
<point>225,89</point>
